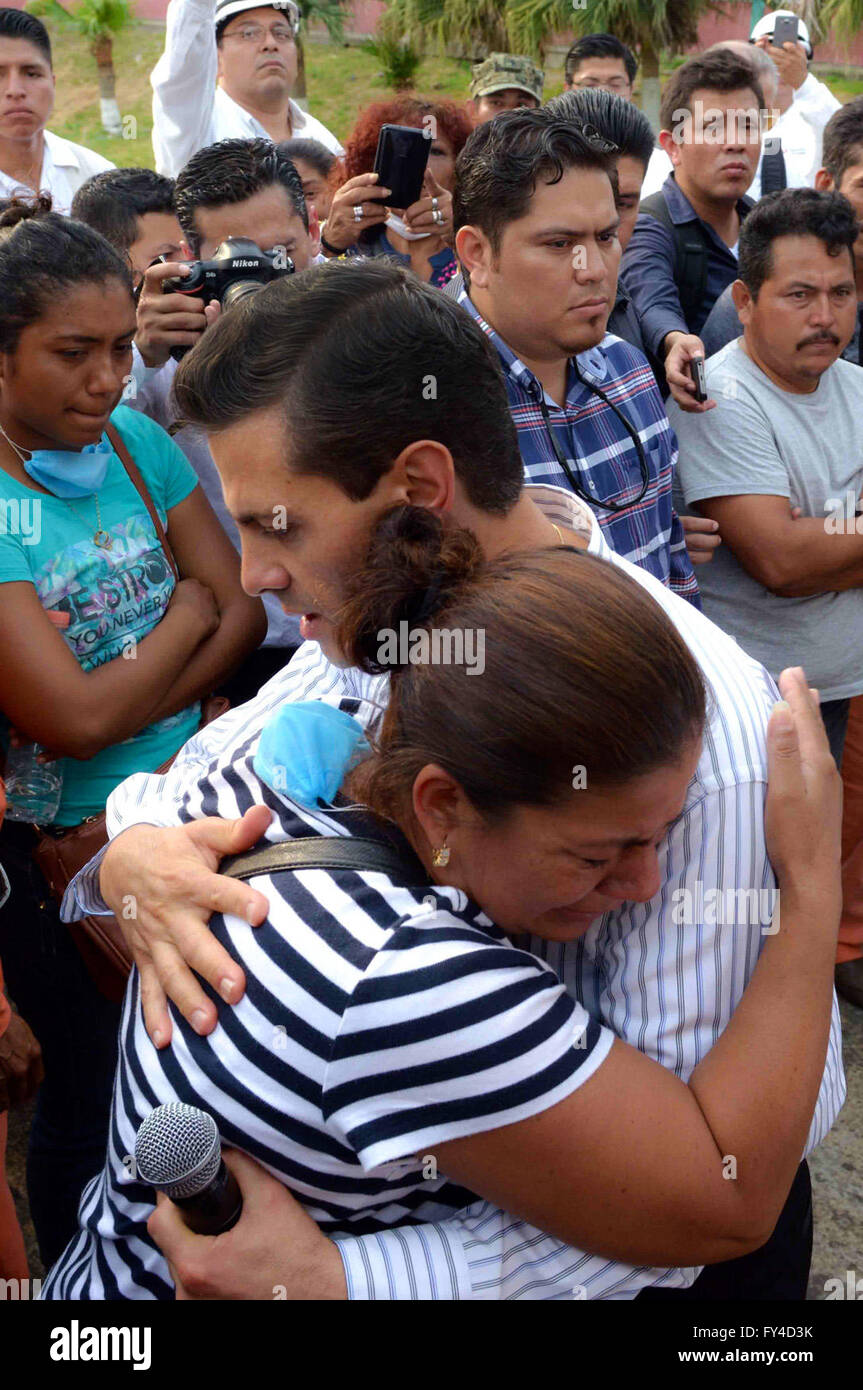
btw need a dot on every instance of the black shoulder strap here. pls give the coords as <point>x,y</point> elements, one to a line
<point>692,251</point>
<point>327,852</point>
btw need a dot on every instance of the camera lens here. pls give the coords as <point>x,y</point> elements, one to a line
<point>237,290</point>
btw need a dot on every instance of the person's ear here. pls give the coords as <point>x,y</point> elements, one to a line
<point>442,813</point>
<point>186,253</point>
<point>824,181</point>
<point>473,249</point>
<point>742,301</point>
<point>423,475</point>
<point>671,146</point>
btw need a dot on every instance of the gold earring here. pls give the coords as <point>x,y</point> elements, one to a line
<point>440,857</point>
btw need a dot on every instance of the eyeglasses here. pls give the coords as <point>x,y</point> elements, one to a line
<point>615,84</point>
<point>253,33</point>
<point>5,890</point>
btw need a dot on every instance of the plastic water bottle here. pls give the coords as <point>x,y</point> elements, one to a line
<point>32,788</point>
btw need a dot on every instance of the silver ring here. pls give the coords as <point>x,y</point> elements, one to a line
<point>434,204</point>
<point>358,212</point>
<point>437,217</point>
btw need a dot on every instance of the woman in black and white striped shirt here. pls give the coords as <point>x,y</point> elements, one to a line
<point>395,1052</point>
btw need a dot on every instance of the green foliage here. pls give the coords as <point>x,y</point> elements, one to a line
<point>398,58</point>
<point>329,12</point>
<point>469,27</point>
<point>670,24</point>
<point>94,19</point>
<point>525,26</point>
<point>844,16</point>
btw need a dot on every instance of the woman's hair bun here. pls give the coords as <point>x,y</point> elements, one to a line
<point>415,569</point>
<point>15,210</point>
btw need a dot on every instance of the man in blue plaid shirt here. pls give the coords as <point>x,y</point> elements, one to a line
<point>536,223</point>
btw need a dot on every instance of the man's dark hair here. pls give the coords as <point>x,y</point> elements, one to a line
<point>793,212</point>
<point>17,24</point>
<point>498,170</point>
<point>113,200</point>
<point>613,117</point>
<point>600,46</point>
<point>843,140</point>
<point>718,70</point>
<point>364,359</point>
<point>230,172</point>
<point>311,151</point>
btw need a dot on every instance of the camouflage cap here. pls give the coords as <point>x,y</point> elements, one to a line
<point>500,71</point>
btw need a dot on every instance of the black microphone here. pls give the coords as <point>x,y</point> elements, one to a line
<point>178,1151</point>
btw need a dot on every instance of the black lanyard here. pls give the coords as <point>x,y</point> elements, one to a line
<point>564,462</point>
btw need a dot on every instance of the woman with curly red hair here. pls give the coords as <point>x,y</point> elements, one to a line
<point>420,236</point>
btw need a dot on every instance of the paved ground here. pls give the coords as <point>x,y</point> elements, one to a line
<point>837,1177</point>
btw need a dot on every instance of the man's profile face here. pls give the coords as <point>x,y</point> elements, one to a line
<point>485,108</point>
<point>159,234</point>
<point>851,187</point>
<point>609,74</point>
<point>715,144</point>
<point>302,536</point>
<point>552,284</point>
<point>258,56</point>
<point>630,177</point>
<point>805,312</point>
<point>26,89</point>
<point>267,217</point>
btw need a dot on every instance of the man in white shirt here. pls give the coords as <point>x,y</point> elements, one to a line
<point>804,103</point>
<point>32,159</point>
<point>250,50</point>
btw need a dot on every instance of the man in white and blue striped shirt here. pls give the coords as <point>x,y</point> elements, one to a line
<point>665,975</point>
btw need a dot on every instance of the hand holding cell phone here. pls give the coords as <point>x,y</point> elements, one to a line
<point>400,163</point>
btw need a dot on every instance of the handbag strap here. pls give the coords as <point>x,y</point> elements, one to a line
<point>140,486</point>
<point>327,852</point>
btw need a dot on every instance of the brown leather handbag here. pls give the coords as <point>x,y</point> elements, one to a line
<point>62,854</point>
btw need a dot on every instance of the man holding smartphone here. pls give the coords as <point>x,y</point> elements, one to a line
<point>805,105</point>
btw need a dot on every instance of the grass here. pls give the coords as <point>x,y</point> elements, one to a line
<point>341,81</point>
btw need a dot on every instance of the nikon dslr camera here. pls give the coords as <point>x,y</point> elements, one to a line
<point>239,267</point>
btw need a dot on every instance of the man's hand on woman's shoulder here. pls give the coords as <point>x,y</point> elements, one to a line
<point>163,885</point>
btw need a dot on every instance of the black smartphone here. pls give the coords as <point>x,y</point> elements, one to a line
<point>696,371</point>
<point>785,30</point>
<point>400,163</point>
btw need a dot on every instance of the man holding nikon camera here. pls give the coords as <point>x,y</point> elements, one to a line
<point>235,189</point>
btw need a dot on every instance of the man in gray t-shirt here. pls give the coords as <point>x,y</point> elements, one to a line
<point>787,433</point>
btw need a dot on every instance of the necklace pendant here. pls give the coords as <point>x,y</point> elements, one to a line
<point>102,539</point>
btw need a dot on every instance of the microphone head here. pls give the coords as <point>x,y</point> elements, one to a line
<point>177,1150</point>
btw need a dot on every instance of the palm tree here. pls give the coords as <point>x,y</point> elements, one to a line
<point>647,27</point>
<point>524,26</point>
<point>330,13</point>
<point>845,16</point>
<point>467,28</point>
<point>98,21</point>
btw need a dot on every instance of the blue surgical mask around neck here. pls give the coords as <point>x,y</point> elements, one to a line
<point>307,749</point>
<point>70,473</point>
